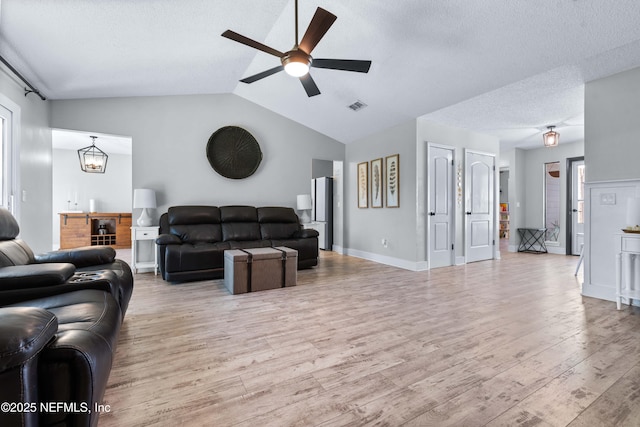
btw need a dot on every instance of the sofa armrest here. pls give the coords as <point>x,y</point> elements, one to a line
<point>168,239</point>
<point>80,257</point>
<point>34,275</point>
<point>307,233</point>
<point>24,331</point>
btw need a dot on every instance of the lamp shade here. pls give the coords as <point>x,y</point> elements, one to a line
<point>304,202</point>
<point>144,198</point>
<point>633,211</point>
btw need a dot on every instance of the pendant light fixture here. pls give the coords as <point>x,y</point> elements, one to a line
<point>551,138</point>
<point>93,159</point>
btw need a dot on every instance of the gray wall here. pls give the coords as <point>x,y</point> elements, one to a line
<point>34,214</point>
<point>534,161</point>
<point>321,168</point>
<point>112,190</point>
<point>404,228</point>
<point>365,228</point>
<point>170,134</point>
<point>459,139</point>
<point>612,129</point>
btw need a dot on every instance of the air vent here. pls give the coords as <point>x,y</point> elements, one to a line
<point>356,106</point>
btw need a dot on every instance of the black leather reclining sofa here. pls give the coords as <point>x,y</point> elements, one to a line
<point>60,316</point>
<point>193,239</point>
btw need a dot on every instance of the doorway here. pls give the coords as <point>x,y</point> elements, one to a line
<point>441,206</point>
<point>575,205</point>
<point>480,196</point>
<point>73,189</point>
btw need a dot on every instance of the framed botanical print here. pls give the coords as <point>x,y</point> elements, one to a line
<point>377,185</point>
<point>392,180</point>
<point>363,185</point>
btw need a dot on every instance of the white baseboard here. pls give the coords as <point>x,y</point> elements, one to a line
<point>387,260</point>
<point>599,291</point>
<point>557,250</point>
<point>460,260</point>
<point>338,249</point>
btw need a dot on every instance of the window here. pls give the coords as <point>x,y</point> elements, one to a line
<point>7,152</point>
<point>552,201</point>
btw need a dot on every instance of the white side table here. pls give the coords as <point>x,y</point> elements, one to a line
<point>144,233</point>
<point>627,246</point>
<point>321,228</point>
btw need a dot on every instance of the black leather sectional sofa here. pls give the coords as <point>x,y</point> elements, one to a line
<point>60,316</point>
<point>193,239</point>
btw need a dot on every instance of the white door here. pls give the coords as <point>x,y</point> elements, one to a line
<point>480,219</point>
<point>441,207</point>
<point>577,206</point>
<point>6,156</point>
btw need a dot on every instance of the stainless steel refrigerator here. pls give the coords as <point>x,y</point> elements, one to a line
<point>322,210</point>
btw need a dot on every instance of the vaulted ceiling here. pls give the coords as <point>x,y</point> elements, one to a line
<point>502,67</point>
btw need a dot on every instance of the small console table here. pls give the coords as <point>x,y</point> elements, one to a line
<point>532,240</point>
<point>627,247</point>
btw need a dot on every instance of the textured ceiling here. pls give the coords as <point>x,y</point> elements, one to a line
<point>504,67</point>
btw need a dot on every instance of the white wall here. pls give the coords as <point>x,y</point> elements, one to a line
<point>170,135</point>
<point>112,190</point>
<point>612,132</point>
<point>35,163</point>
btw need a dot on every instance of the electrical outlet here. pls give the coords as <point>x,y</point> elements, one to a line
<point>385,242</point>
<point>608,199</point>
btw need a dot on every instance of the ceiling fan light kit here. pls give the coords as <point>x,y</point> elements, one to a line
<point>296,63</point>
<point>551,138</point>
<point>298,60</point>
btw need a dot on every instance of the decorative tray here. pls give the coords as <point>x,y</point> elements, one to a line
<point>631,231</point>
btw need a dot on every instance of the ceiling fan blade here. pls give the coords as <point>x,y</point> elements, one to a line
<point>342,64</point>
<point>309,85</point>
<point>251,43</point>
<point>320,24</point>
<point>262,75</point>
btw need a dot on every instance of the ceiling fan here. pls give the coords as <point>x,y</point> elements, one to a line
<point>296,62</point>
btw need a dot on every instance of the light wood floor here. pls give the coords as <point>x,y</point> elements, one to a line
<point>498,343</point>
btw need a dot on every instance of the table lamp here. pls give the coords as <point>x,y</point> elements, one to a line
<point>304,205</point>
<point>144,198</point>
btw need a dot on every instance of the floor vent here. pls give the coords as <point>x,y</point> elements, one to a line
<point>358,105</point>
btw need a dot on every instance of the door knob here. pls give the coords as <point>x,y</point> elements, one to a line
<point>468,213</point>
<point>432,214</point>
<point>574,210</point>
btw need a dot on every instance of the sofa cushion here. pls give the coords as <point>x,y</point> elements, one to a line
<point>238,214</point>
<point>197,233</point>
<point>15,252</point>
<point>199,256</point>
<point>248,244</point>
<point>278,231</point>
<point>278,223</point>
<point>240,231</point>
<point>76,364</point>
<point>193,215</point>
<point>278,214</point>
<point>9,228</point>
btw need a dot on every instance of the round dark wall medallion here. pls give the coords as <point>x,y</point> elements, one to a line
<point>233,152</point>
